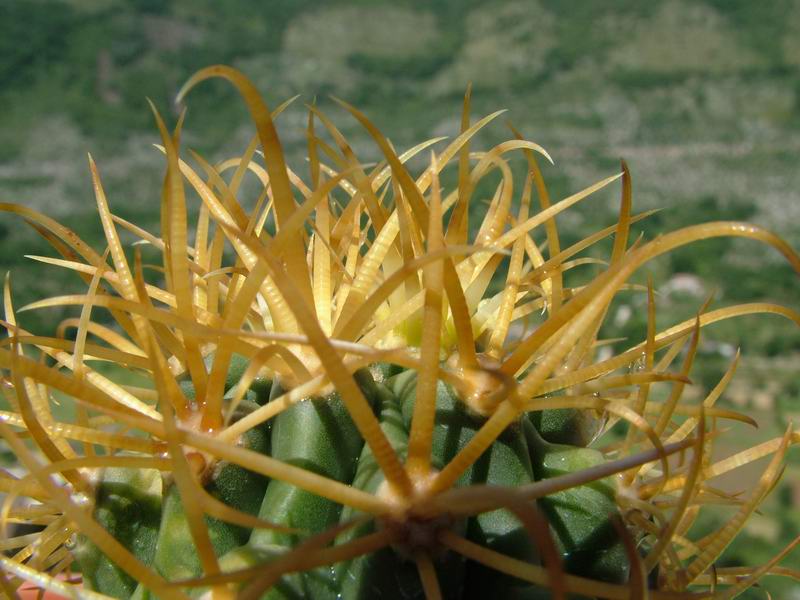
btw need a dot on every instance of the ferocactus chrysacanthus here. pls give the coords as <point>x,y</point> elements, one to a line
<point>339,406</point>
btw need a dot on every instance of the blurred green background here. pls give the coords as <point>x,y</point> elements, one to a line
<point>702,98</point>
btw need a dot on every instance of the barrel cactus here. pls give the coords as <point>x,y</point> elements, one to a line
<point>327,397</point>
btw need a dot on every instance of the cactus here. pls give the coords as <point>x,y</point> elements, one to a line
<point>341,408</point>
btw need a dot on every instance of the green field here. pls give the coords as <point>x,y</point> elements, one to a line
<point>702,98</point>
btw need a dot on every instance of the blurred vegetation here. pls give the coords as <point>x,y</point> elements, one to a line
<point>702,98</point>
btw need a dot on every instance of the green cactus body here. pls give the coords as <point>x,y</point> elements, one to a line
<point>381,575</point>
<point>260,387</point>
<point>571,426</point>
<point>128,505</point>
<point>317,435</point>
<point>505,463</point>
<point>175,555</point>
<point>258,392</point>
<point>581,517</point>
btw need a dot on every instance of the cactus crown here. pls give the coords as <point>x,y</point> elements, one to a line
<point>369,290</point>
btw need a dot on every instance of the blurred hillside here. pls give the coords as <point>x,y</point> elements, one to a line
<point>701,97</point>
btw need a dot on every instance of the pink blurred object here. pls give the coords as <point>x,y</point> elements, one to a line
<point>29,591</point>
